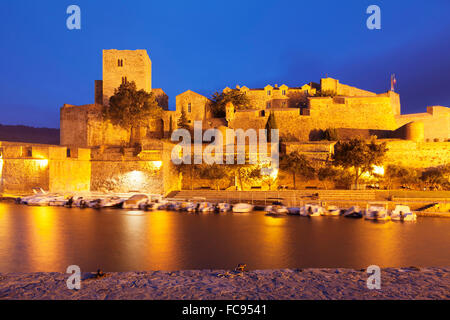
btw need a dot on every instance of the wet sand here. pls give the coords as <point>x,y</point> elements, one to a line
<point>283,284</point>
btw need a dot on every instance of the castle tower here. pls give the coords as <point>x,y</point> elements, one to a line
<point>125,65</point>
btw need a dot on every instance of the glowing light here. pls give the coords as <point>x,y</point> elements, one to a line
<point>42,163</point>
<point>134,179</point>
<point>157,164</point>
<point>274,173</point>
<point>378,170</point>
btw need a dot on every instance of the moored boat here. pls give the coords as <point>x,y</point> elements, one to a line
<point>242,208</point>
<point>402,213</point>
<point>353,212</point>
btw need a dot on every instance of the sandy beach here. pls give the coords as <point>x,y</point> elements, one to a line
<point>283,284</point>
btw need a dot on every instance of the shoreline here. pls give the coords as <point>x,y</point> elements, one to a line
<point>280,284</point>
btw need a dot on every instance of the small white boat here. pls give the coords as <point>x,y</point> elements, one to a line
<point>331,211</point>
<point>44,200</point>
<point>223,207</point>
<point>108,202</point>
<point>242,208</point>
<point>403,213</point>
<point>205,207</point>
<point>353,212</point>
<point>311,210</point>
<point>135,201</point>
<point>376,211</point>
<point>277,208</point>
<point>37,192</point>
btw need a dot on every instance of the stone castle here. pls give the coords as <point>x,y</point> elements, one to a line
<point>102,149</point>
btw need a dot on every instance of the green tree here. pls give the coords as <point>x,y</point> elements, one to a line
<point>297,165</point>
<point>131,108</point>
<point>359,155</point>
<point>331,134</point>
<point>325,93</point>
<point>327,174</point>
<point>219,101</point>
<point>183,121</point>
<point>216,173</point>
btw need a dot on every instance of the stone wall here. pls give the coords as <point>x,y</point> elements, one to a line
<point>27,166</point>
<point>436,122</point>
<point>340,112</point>
<point>136,66</point>
<point>330,84</point>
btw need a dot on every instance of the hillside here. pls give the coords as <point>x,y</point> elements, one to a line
<point>29,134</point>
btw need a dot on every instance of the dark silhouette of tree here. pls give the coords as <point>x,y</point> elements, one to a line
<point>183,121</point>
<point>219,101</point>
<point>131,108</point>
<point>297,165</point>
<point>359,155</point>
<point>271,124</point>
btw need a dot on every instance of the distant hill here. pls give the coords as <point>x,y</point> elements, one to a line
<point>29,134</point>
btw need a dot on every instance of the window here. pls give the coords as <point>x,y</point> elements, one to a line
<point>189,107</point>
<point>268,105</point>
<point>269,92</point>
<point>262,113</point>
<point>120,63</point>
<point>283,92</point>
<point>68,153</point>
<point>29,152</point>
<point>124,80</point>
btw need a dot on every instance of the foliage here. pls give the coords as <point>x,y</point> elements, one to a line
<point>216,173</point>
<point>331,134</point>
<point>297,164</point>
<point>401,175</point>
<point>359,155</point>
<point>325,93</point>
<point>298,99</point>
<point>435,177</point>
<point>183,121</point>
<point>271,124</point>
<point>131,108</point>
<point>219,101</point>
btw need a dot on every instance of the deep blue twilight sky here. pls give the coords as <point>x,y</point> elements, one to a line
<point>207,45</point>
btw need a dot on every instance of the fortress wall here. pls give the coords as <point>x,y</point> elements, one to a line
<point>341,112</point>
<point>330,84</point>
<point>136,67</point>
<point>73,125</point>
<point>418,155</point>
<point>48,168</point>
<point>126,175</point>
<point>436,122</point>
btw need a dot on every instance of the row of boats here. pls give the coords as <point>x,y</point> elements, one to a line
<point>149,202</point>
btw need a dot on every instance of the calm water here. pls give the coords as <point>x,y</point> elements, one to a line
<point>51,238</point>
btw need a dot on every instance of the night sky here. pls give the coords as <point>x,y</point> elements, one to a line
<point>208,45</point>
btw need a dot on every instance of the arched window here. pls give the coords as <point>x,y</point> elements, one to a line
<point>124,80</point>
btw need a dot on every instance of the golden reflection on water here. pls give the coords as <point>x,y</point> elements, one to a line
<point>43,237</point>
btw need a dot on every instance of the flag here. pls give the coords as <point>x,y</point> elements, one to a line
<point>393,82</point>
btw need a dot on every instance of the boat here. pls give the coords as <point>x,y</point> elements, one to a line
<point>402,213</point>
<point>108,202</point>
<point>44,200</point>
<point>37,192</point>
<point>331,211</point>
<point>242,208</point>
<point>353,212</point>
<point>295,211</point>
<point>223,207</point>
<point>277,208</point>
<point>135,201</point>
<point>376,211</point>
<point>205,207</point>
<point>311,210</point>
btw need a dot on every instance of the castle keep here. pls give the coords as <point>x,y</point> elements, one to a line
<point>87,139</point>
